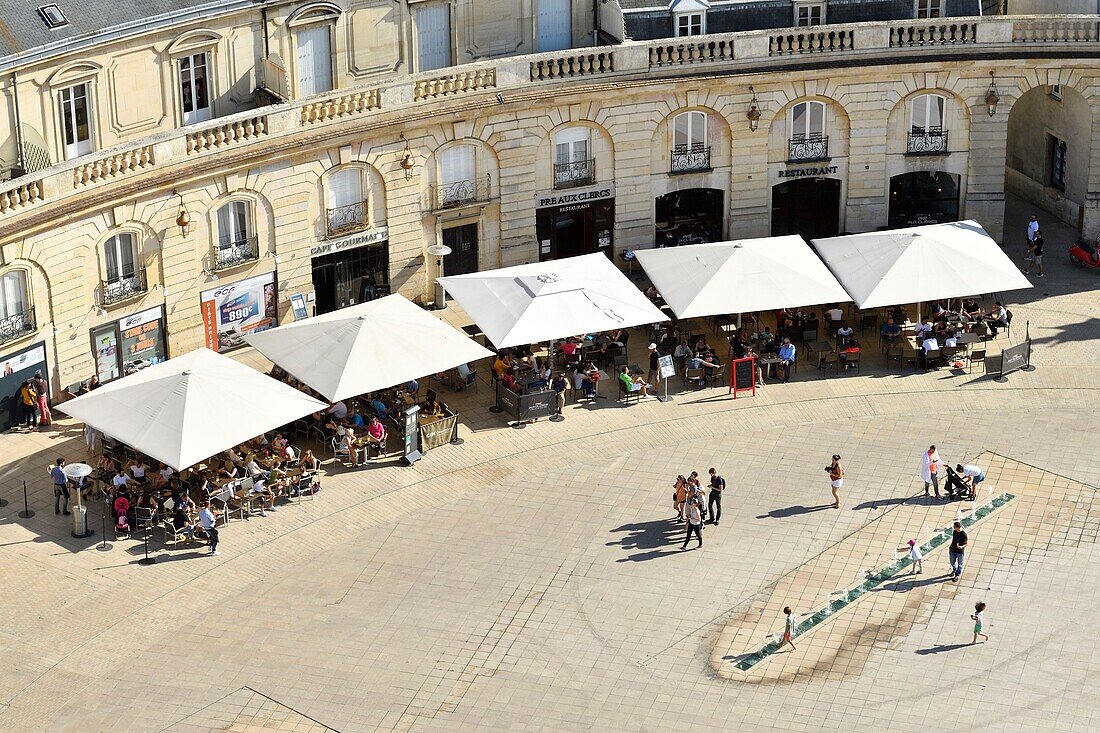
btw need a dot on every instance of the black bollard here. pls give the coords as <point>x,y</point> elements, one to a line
<point>26,513</point>
<point>147,560</point>
<point>3,501</point>
<point>103,527</point>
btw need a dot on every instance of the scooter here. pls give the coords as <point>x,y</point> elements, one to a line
<point>1084,253</point>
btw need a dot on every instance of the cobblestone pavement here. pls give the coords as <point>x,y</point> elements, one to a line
<point>531,579</point>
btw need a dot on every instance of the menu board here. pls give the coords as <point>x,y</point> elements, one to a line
<point>129,344</point>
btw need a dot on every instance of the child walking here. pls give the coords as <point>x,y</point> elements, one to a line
<point>979,622</point>
<point>914,555</point>
<point>788,627</point>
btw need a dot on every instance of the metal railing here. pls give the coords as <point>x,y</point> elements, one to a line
<point>16,326</point>
<point>344,219</point>
<point>690,158</point>
<point>808,148</point>
<point>576,173</point>
<point>129,285</point>
<point>232,252</point>
<point>460,193</point>
<point>932,141</point>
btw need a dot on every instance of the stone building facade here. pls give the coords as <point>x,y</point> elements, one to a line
<point>194,235</point>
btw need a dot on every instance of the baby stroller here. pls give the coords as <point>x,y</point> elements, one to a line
<point>957,489</point>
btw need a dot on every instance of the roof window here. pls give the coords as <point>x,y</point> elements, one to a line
<point>52,16</point>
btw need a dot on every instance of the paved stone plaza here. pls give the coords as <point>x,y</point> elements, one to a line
<point>531,579</point>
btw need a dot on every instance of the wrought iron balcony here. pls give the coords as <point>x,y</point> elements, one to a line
<point>235,251</point>
<point>16,326</point>
<point>577,173</point>
<point>690,158</point>
<point>128,285</point>
<point>346,219</point>
<point>808,148</point>
<point>461,193</point>
<point>930,141</point>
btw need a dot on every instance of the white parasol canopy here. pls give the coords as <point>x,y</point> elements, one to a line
<point>371,346</point>
<point>920,264</point>
<point>542,301</point>
<point>740,277</point>
<point>189,408</point>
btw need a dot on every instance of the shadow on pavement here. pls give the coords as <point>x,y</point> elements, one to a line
<point>793,511</point>
<point>658,537</point>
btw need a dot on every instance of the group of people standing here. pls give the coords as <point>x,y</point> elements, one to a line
<point>693,508</point>
<point>34,400</point>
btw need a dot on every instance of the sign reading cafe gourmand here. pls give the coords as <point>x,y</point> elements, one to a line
<point>574,196</point>
<point>807,172</point>
<point>359,239</point>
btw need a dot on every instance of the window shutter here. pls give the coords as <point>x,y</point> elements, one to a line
<point>14,291</point>
<point>555,26</point>
<point>314,60</point>
<point>345,187</point>
<point>433,36</point>
<point>457,164</point>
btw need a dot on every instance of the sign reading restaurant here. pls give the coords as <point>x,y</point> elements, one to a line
<point>581,196</point>
<point>359,239</point>
<point>807,172</point>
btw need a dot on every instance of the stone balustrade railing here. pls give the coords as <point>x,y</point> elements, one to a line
<point>352,103</point>
<point>113,166</point>
<point>230,132</point>
<point>754,51</point>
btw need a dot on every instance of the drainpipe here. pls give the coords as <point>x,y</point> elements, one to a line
<point>596,22</point>
<point>21,160</point>
<point>263,20</point>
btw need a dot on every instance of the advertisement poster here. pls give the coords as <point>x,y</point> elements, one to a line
<point>231,311</point>
<point>142,340</point>
<point>105,348</point>
<point>17,367</point>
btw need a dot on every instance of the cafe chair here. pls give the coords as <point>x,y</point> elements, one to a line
<point>1008,323</point>
<point>339,451</point>
<point>950,353</point>
<point>306,485</point>
<point>851,360</point>
<point>868,321</point>
<point>895,353</point>
<point>175,536</point>
<point>976,354</point>
<point>695,377</point>
<point>625,396</point>
<point>471,382</point>
<point>808,336</point>
<point>828,361</point>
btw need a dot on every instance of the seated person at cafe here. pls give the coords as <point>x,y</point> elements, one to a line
<point>938,312</point>
<point>350,443</point>
<point>949,338</point>
<point>228,471</point>
<point>703,361</point>
<point>835,314</point>
<point>431,406</point>
<point>543,380</point>
<point>929,344</point>
<point>632,384</point>
<point>619,336</point>
<point>459,375</point>
<point>510,382</point>
<point>376,435</point>
<point>138,468</point>
<point>569,346</point>
<point>998,318</point>
<point>681,352</point>
<point>970,305</point>
<point>843,334</point>
<point>381,409</point>
<point>254,469</point>
<point>767,339</point>
<point>583,382</point>
<point>924,328</point>
<point>850,348</point>
<point>121,480</point>
<point>787,357</point>
<point>750,354</point>
<point>890,330</point>
<point>355,419</point>
<point>181,522</point>
<point>338,410</point>
<point>309,461</point>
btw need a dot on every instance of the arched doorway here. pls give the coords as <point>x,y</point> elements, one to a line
<point>923,197</point>
<point>809,207</point>
<point>690,216</point>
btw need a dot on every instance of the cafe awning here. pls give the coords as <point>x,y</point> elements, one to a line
<point>189,408</point>
<point>740,277</point>
<point>920,264</point>
<point>367,347</point>
<point>541,301</point>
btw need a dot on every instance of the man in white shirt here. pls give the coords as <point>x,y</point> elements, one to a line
<point>338,410</point>
<point>1032,230</point>
<point>950,339</point>
<point>208,520</point>
<point>924,327</point>
<point>836,315</point>
<point>929,344</point>
<point>120,480</point>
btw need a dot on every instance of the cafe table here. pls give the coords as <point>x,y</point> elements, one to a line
<point>818,347</point>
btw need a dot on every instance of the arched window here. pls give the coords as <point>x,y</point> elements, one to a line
<point>808,140</point>
<point>124,277</point>
<point>236,242</point>
<point>926,133</point>
<point>690,150</point>
<point>457,175</point>
<point>573,161</point>
<point>345,200</point>
<point>16,314</point>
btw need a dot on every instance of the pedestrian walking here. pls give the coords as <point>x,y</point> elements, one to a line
<point>1035,254</point>
<point>43,390</point>
<point>930,469</point>
<point>836,479</point>
<point>978,617</point>
<point>679,496</point>
<point>208,520</point>
<point>714,501</point>
<point>60,487</point>
<point>90,436</point>
<point>694,522</point>
<point>695,493</point>
<point>654,375</point>
<point>915,557</point>
<point>956,553</point>
<point>788,627</point>
<point>1032,230</point>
